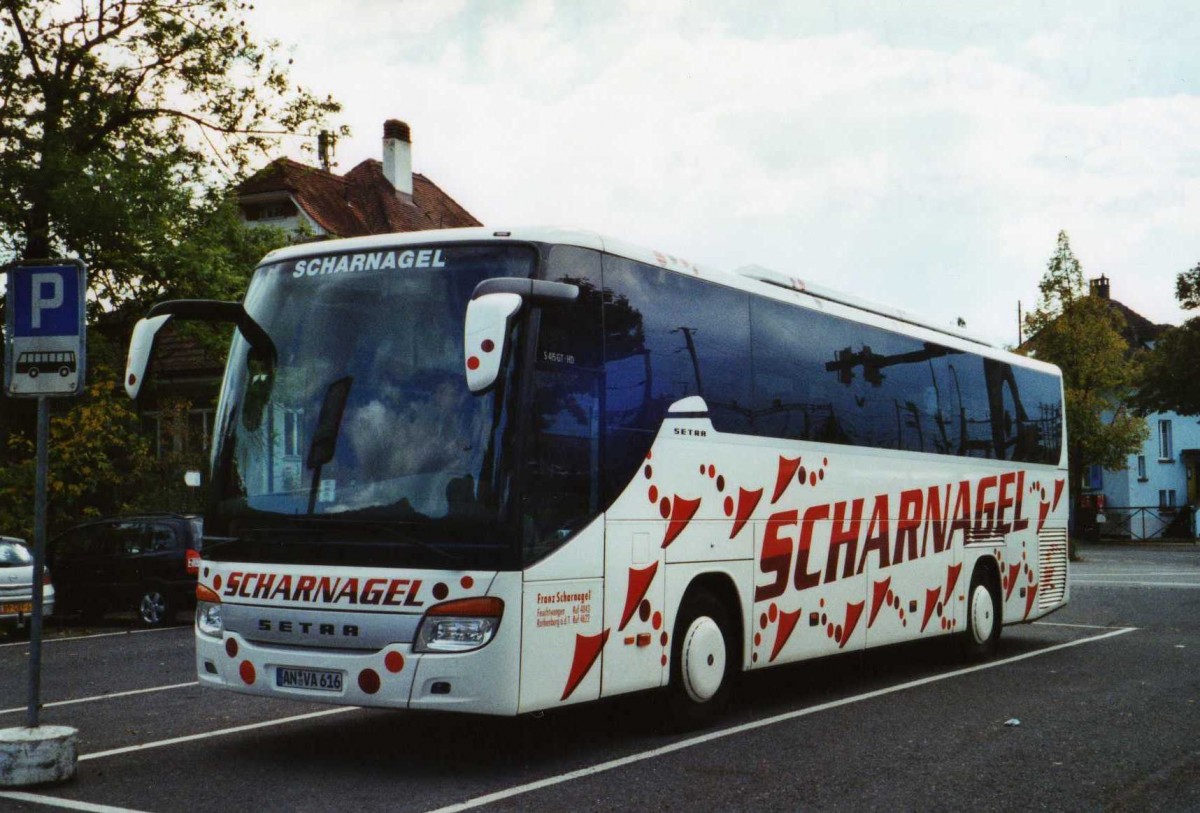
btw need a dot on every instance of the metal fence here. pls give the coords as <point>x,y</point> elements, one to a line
<point>1143,522</point>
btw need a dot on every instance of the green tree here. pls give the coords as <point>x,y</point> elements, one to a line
<point>1168,384</point>
<point>114,115</point>
<point>122,124</point>
<point>1082,334</point>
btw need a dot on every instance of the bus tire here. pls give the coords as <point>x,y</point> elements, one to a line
<point>155,607</point>
<point>33,372</point>
<point>703,661</point>
<point>984,617</point>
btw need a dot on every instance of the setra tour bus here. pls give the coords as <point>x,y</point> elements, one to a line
<point>507,471</point>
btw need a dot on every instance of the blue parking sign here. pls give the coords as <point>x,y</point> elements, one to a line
<point>45,329</point>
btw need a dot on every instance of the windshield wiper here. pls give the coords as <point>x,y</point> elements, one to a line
<point>324,441</point>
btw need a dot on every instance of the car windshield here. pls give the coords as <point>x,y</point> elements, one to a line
<point>358,416</point>
<point>14,554</point>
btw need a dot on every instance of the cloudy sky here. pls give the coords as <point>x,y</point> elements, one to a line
<point>913,153</point>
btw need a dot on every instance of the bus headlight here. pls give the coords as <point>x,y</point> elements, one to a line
<point>208,612</point>
<point>459,626</point>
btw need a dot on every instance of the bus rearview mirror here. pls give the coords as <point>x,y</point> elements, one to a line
<point>140,347</point>
<point>485,336</point>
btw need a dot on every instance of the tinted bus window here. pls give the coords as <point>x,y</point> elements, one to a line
<point>823,378</point>
<point>668,336</point>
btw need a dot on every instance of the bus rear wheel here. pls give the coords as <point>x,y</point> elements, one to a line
<point>703,661</point>
<point>982,637</point>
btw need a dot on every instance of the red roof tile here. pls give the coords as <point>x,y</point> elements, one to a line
<point>360,202</point>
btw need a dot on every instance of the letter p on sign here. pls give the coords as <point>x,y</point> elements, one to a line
<point>41,283</point>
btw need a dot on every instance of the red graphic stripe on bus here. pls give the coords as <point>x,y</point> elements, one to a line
<point>587,650</point>
<point>787,470</point>
<point>1058,492</point>
<point>639,583</point>
<point>787,623</point>
<point>682,512</point>
<point>1029,596</point>
<point>1013,570</point>
<point>1043,512</point>
<point>853,613</point>
<point>877,598</point>
<point>952,573</point>
<point>747,502</point>
<point>931,604</point>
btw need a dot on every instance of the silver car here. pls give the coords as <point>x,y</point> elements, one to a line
<point>16,593</point>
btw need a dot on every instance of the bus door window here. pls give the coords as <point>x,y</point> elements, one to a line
<point>562,486</point>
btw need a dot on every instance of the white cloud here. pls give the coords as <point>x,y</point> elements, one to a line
<point>934,177</point>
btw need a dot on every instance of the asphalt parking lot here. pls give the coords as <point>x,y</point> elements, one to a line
<point>1093,709</point>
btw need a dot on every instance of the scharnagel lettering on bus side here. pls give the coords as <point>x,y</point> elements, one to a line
<point>855,534</point>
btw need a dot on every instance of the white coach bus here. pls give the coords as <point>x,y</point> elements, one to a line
<point>502,472</point>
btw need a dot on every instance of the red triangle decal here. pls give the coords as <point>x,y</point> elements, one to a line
<point>1058,491</point>
<point>682,512</point>
<point>787,470</point>
<point>931,599</point>
<point>879,593</point>
<point>747,502</point>
<point>853,613</point>
<point>952,573</point>
<point>787,623</point>
<point>1013,570</point>
<point>639,583</point>
<point>1029,596</point>
<point>587,650</point>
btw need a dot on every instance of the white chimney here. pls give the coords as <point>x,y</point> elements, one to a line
<point>397,157</point>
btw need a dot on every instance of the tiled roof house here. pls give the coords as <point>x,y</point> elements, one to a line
<point>375,197</point>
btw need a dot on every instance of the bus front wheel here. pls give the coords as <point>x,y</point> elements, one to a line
<point>982,637</point>
<point>703,661</point>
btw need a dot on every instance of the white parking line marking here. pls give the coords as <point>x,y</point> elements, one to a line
<point>46,640</point>
<point>1102,574</point>
<point>111,696</point>
<point>65,804</point>
<point>218,733</point>
<point>479,801</point>
<point>1074,626</point>
<point>1105,583</point>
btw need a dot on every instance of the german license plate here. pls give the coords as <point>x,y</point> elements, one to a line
<point>319,680</point>
<point>11,607</point>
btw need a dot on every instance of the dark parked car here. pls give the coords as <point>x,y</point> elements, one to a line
<point>143,563</point>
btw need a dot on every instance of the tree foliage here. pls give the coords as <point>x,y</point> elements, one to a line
<point>1168,381</point>
<point>116,114</point>
<point>123,123</point>
<point>1082,334</point>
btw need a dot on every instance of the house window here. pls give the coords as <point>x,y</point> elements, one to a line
<point>1166,498</point>
<point>1141,468</point>
<point>270,210</point>
<point>1164,440</point>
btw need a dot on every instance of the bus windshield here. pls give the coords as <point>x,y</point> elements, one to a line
<point>356,440</point>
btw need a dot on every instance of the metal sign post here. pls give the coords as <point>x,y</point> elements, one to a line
<point>44,357</point>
